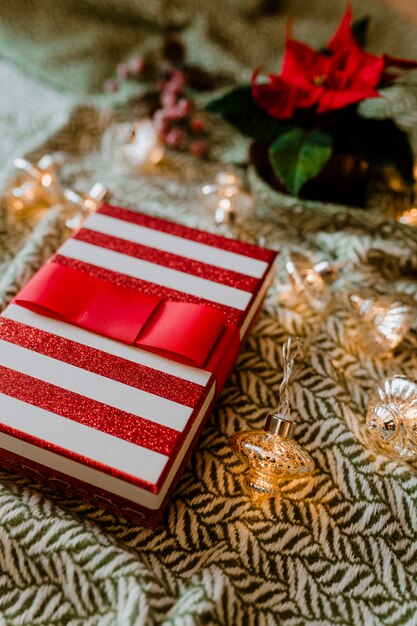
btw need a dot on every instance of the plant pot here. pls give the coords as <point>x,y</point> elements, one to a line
<point>343,180</point>
<point>306,216</point>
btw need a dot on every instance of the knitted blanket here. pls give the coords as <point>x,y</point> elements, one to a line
<point>337,548</point>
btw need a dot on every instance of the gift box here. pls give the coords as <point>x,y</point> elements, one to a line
<point>114,353</point>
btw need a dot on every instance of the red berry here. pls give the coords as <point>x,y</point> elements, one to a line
<point>197,124</point>
<point>183,107</point>
<point>168,99</point>
<point>179,110</point>
<point>170,89</point>
<point>175,138</point>
<point>198,148</point>
<point>177,78</point>
<point>173,113</point>
<point>111,85</point>
<point>122,70</point>
<point>137,65</point>
<point>160,120</point>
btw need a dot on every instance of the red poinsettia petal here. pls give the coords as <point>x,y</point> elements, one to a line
<point>371,70</point>
<point>349,67</point>
<point>403,64</point>
<point>279,98</point>
<point>272,97</point>
<point>343,37</point>
<point>302,62</point>
<point>332,99</point>
<point>343,66</point>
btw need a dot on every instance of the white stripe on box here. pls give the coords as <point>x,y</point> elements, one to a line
<point>96,387</point>
<point>87,442</point>
<point>93,476</point>
<point>158,274</point>
<point>257,302</point>
<point>176,245</point>
<point>110,346</point>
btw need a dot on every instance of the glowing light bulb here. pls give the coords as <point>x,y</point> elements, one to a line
<point>408,217</point>
<point>36,186</point>
<point>86,203</point>
<point>46,180</point>
<point>226,198</point>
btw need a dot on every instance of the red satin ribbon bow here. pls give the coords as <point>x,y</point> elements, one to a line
<point>185,332</point>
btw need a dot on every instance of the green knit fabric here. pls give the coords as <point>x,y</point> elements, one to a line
<point>337,548</point>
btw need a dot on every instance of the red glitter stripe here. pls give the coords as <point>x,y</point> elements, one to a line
<point>209,239</point>
<point>233,316</point>
<point>57,481</point>
<point>173,261</point>
<point>105,469</point>
<point>133,374</point>
<point>83,410</point>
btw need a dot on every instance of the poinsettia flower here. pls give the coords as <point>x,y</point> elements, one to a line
<point>342,75</point>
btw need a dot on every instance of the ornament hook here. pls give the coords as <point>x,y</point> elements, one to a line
<point>292,350</point>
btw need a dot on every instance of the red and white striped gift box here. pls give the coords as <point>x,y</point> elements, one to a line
<point>104,416</point>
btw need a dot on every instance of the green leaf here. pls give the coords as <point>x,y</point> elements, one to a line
<point>299,155</point>
<point>360,30</point>
<point>239,109</point>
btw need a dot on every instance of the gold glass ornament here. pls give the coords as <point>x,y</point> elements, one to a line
<point>392,417</point>
<point>272,454</point>
<point>382,321</point>
<point>144,146</point>
<point>134,147</point>
<point>311,280</point>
